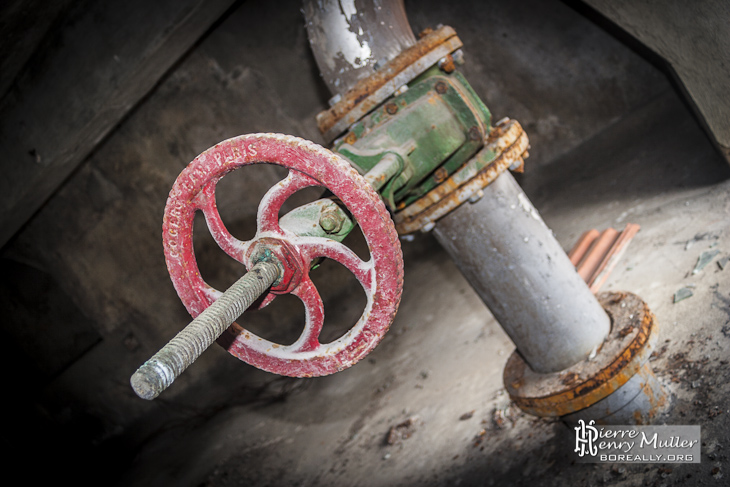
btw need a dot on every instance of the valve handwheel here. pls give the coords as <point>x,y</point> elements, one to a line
<point>309,165</point>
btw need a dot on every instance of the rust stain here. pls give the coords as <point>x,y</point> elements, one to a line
<point>626,330</point>
<point>638,419</point>
<point>380,180</point>
<point>570,378</point>
<point>447,64</point>
<point>658,401</point>
<point>351,138</point>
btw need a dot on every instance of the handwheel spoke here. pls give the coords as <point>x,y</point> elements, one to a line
<point>268,211</point>
<point>205,201</point>
<point>314,313</point>
<point>314,247</point>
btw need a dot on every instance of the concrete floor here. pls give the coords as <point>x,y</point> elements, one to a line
<point>612,144</point>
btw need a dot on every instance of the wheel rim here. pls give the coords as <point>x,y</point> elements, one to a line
<point>309,165</point>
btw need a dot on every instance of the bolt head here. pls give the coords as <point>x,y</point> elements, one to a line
<point>400,90</point>
<point>440,175</point>
<point>447,64</point>
<point>330,222</point>
<point>518,166</point>
<point>458,56</point>
<point>335,100</point>
<point>479,194</point>
<point>350,138</point>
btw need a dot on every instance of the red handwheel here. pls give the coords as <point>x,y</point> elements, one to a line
<point>381,276</point>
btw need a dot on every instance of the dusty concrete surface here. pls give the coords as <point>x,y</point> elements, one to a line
<point>611,144</point>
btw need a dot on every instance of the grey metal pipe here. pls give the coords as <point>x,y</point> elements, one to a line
<point>513,261</point>
<point>351,39</point>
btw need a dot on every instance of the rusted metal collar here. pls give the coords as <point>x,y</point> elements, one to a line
<point>627,348</point>
<point>506,148</point>
<point>370,92</point>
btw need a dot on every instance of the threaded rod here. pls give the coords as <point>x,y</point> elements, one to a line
<point>156,375</point>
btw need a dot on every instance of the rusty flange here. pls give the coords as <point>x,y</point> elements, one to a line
<point>627,348</point>
<point>372,91</point>
<point>506,147</point>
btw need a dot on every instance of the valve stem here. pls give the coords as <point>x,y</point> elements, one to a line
<point>156,375</point>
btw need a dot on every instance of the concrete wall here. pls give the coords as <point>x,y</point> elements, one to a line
<point>693,38</point>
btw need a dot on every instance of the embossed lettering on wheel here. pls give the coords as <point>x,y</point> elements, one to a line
<point>309,165</point>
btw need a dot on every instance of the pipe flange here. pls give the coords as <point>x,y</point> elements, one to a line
<point>370,92</point>
<point>505,148</point>
<point>626,349</point>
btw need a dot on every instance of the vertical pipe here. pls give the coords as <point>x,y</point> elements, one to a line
<point>513,261</point>
<point>351,39</point>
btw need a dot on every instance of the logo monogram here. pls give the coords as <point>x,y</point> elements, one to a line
<point>585,438</point>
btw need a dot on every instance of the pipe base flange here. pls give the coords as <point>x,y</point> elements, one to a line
<point>622,355</point>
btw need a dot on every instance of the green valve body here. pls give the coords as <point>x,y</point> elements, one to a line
<point>434,126</point>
